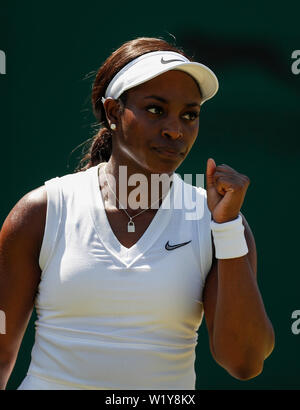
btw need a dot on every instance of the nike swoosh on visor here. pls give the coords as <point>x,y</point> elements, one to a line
<point>169,61</point>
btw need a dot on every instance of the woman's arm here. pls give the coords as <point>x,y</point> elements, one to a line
<point>20,243</point>
<point>240,333</point>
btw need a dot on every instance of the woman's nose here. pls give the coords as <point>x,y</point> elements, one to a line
<point>172,130</point>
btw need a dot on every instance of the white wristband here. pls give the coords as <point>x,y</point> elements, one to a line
<point>229,239</point>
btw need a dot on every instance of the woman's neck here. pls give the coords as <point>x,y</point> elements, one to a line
<point>134,188</point>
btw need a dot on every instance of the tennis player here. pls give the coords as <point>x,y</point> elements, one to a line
<point>120,277</point>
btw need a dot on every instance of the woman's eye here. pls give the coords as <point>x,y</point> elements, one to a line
<point>191,115</point>
<point>154,109</point>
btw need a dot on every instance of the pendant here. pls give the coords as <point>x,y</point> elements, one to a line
<point>130,227</point>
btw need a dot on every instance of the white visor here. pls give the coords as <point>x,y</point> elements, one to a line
<point>150,65</point>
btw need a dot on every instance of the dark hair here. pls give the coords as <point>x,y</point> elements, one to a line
<point>101,143</point>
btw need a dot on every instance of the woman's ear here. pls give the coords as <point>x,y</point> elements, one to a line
<point>112,111</point>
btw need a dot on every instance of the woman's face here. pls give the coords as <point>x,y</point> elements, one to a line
<point>159,123</point>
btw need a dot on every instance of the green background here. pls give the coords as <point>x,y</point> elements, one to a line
<point>52,50</point>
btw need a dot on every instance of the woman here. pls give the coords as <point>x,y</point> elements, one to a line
<point>120,277</point>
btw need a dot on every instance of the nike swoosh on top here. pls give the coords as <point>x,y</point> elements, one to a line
<point>178,245</point>
<point>169,61</point>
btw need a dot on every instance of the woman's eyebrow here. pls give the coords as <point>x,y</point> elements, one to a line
<point>157,98</point>
<point>193,104</point>
<point>163,100</point>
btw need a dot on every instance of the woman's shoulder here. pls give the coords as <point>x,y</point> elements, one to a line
<point>31,211</point>
<point>30,207</point>
<point>25,222</point>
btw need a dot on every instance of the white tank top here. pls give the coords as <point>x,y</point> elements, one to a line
<point>110,317</point>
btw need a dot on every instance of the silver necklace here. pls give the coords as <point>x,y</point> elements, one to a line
<point>130,225</point>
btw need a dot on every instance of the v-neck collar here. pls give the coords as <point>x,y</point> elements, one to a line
<point>128,256</point>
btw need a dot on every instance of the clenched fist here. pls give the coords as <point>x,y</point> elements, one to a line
<point>226,190</point>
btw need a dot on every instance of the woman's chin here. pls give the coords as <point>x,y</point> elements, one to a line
<point>164,167</point>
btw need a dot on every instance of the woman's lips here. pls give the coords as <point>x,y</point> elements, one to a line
<point>168,152</point>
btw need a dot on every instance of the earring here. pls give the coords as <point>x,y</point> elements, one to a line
<point>113,126</point>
